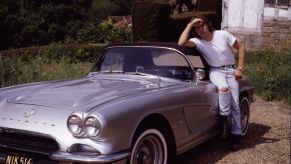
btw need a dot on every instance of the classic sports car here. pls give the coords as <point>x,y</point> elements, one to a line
<point>142,103</point>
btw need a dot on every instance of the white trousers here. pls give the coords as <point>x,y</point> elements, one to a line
<point>228,101</point>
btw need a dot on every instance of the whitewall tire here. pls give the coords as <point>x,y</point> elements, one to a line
<point>149,148</point>
<point>245,114</point>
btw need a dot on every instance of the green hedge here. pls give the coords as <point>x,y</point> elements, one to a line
<point>46,63</point>
<point>76,52</point>
<point>271,73</point>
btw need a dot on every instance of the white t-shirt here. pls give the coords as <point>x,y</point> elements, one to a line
<point>217,52</point>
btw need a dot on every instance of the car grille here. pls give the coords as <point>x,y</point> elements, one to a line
<point>30,143</point>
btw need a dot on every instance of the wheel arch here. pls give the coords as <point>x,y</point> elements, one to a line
<point>158,121</point>
<point>244,94</point>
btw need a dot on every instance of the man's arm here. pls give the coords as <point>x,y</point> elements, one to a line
<point>184,38</point>
<point>239,46</point>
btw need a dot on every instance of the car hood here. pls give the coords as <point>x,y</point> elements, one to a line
<point>78,93</point>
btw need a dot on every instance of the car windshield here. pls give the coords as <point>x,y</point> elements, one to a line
<point>147,60</point>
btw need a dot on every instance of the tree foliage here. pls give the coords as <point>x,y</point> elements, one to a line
<point>40,22</point>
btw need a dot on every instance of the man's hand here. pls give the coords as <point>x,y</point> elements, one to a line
<point>196,22</point>
<point>238,74</point>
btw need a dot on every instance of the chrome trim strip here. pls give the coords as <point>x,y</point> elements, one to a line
<point>88,158</point>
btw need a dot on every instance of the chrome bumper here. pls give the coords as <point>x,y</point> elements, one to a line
<point>88,158</point>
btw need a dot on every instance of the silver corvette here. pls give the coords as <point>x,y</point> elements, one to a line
<point>143,103</point>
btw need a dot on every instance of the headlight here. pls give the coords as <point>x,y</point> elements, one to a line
<point>92,126</point>
<point>75,125</point>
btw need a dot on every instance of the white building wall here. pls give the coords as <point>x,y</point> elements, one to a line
<point>234,13</point>
<point>242,14</point>
<point>251,14</point>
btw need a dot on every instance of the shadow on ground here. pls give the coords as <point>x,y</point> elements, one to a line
<point>216,148</point>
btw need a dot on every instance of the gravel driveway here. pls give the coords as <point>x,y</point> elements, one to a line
<point>267,141</point>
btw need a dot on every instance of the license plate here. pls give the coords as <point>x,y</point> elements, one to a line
<point>18,159</point>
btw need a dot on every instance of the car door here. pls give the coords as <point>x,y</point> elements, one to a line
<point>201,116</point>
<point>210,101</point>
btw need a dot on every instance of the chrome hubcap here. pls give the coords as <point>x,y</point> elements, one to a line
<point>149,151</point>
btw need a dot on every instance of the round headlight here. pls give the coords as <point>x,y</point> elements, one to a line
<point>75,125</point>
<point>92,126</point>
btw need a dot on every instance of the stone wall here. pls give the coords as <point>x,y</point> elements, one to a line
<point>274,34</point>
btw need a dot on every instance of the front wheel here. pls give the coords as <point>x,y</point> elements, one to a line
<point>245,114</point>
<point>150,148</point>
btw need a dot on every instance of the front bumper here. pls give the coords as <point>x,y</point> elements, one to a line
<point>88,158</point>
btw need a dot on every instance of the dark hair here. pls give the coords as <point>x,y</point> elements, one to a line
<point>207,22</point>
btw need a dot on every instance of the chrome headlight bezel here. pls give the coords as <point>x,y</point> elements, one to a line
<point>82,125</point>
<point>75,125</point>
<point>92,126</point>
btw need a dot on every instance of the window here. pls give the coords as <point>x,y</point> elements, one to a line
<point>112,62</point>
<point>277,9</point>
<point>168,58</point>
<point>196,61</point>
<point>150,60</point>
<point>277,2</point>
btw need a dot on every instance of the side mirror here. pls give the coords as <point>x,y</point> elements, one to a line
<point>199,75</point>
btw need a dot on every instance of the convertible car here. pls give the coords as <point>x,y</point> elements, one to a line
<point>142,103</point>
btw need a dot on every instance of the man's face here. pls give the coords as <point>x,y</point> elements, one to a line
<point>202,29</point>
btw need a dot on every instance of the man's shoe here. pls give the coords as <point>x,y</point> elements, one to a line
<point>225,126</point>
<point>235,143</point>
